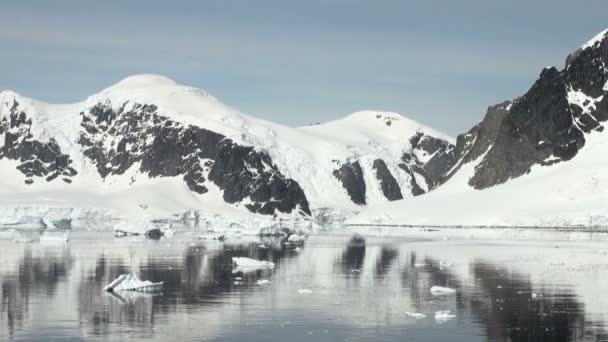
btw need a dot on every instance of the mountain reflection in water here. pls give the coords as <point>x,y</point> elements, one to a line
<point>359,292</point>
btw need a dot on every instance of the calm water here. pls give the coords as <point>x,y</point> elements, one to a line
<point>506,290</point>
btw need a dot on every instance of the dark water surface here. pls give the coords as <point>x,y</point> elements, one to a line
<point>506,291</point>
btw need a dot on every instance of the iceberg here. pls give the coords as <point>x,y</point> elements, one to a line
<point>130,282</point>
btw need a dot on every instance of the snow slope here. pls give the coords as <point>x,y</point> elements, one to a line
<point>565,194</point>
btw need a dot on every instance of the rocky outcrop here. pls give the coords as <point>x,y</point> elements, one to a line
<point>350,175</point>
<point>37,159</point>
<point>438,157</point>
<point>116,140</point>
<point>388,183</point>
<point>242,173</point>
<point>411,165</point>
<point>548,124</point>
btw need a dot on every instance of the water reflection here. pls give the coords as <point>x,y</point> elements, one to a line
<point>512,309</point>
<point>354,290</point>
<point>35,275</point>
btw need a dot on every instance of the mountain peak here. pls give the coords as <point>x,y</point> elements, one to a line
<point>143,80</point>
<point>598,38</point>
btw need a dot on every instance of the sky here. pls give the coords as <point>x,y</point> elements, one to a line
<point>441,63</point>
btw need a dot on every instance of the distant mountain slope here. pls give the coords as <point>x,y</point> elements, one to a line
<point>539,159</point>
<point>146,131</point>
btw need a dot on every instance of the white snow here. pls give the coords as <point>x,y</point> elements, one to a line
<point>130,282</point>
<point>441,291</point>
<point>415,315</point>
<point>598,38</point>
<point>304,291</point>
<point>264,282</point>
<point>580,99</point>
<point>566,194</point>
<point>443,316</point>
<point>247,265</point>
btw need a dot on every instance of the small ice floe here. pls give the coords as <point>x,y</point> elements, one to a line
<point>264,282</point>
<point>238,282</point>
<point>147,229</point>
<point>304,291</point>
<point>247,265</point>
<point>536,295</point>
<point>441,291</point>
<point>415,315</point>
<point>444,264</point>
<point>443,316</point>
<point>419,265</point>
<point>168,232</point>
<point>295,241</point>
<point>130,282</point>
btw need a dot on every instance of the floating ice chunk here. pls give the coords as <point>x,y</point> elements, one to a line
<point>55,237</point>
<point>168,233</point>
<point>304,291</point>
<point>441,291</point>
<point>264,282</point>
<point>444,264</point>
<point>130,282</point>
<point>443,316</point>
<point>415,315</point>
<point>247,265</point>
<point>419,265</point>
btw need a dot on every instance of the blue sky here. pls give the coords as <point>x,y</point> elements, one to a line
<point>295,62</point>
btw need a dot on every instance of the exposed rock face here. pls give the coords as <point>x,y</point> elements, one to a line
<point>411,165</point>
<point>115,140</point>
<point>388,183</point>
<point>441,158</point>
<point>37,158</point>
<point>242,172</point>
<point>548,124</point>
<point>477,141</point>
<point>350,175</point>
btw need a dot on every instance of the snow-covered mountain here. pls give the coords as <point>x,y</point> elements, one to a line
<point>539,159</point>
<point>147,146</point>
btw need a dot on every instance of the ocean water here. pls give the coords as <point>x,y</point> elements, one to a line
<point>331,289</point>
